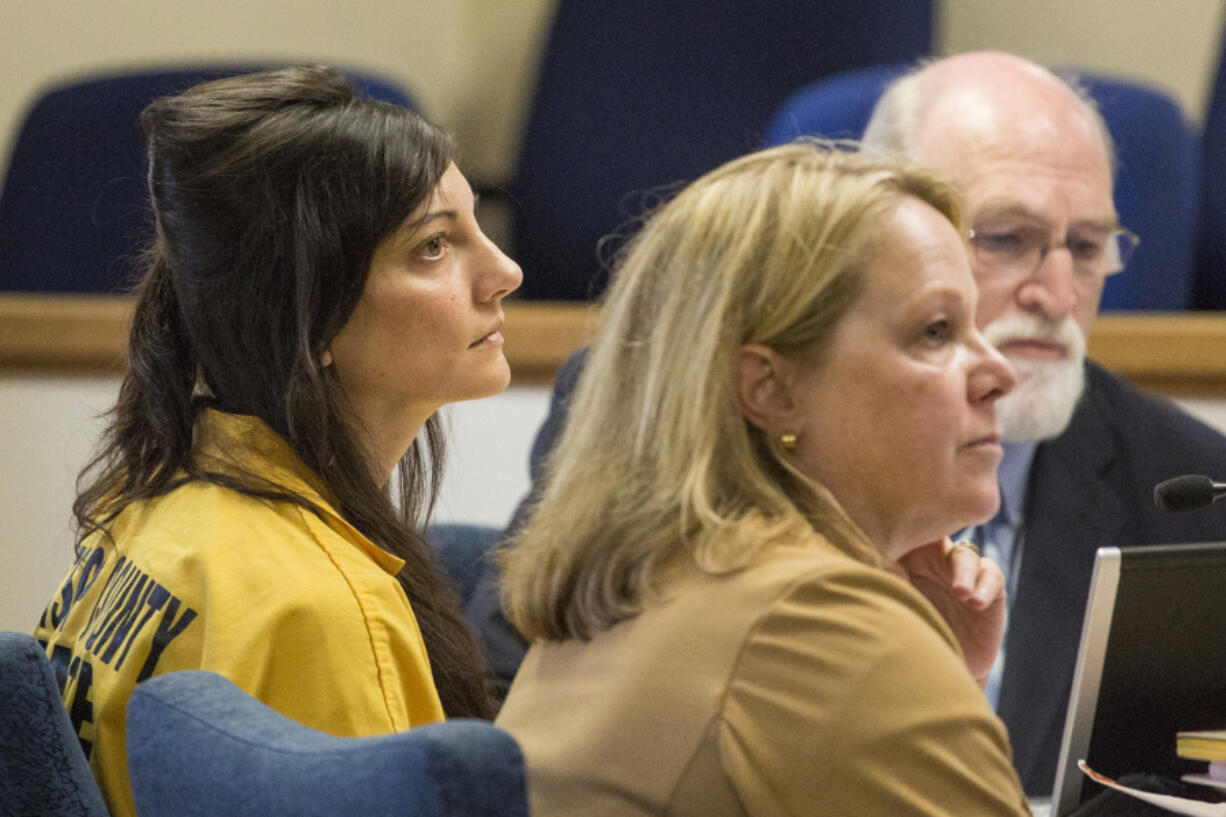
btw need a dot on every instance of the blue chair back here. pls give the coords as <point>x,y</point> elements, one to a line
<point>1210,286</point>
<point>1157,192</point>
<point>1157,179</point>
<point>836,107</point>
<point>636,94</point>
<point>74,214</point>
<point>43,770</point>
<point>198,746</point>
<point>465,551</point>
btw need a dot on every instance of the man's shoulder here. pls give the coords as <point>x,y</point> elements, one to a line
<point>1106,388</point>
<point>1136,417</point>
<point>1098,476</point>
<point>568,373</point>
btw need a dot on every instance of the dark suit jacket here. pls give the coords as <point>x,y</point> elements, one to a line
<point>1091,487</point>
<point>504,646</point>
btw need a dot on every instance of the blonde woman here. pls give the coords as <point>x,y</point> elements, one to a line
<point>737,582</point>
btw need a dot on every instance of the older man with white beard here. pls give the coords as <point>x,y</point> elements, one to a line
<point>1083,450</point>
<point>1042,407</point>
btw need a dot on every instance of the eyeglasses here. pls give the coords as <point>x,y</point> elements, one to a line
<point>1019,251</point>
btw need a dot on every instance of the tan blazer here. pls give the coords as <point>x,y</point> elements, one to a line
<point>807,683</point>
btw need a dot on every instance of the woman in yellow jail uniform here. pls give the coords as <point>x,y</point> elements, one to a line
<point>318,287</point>
<point>738,583</point>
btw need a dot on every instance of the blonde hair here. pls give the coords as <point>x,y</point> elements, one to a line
<point>656,461</point>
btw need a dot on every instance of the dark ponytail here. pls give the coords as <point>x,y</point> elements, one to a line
<point>270,192</point>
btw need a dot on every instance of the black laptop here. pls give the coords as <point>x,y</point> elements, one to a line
<point>1152,663</point>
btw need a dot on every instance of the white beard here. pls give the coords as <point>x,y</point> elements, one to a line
<point>1042,403</point>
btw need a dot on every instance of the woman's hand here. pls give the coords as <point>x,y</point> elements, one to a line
<point>969,593</point>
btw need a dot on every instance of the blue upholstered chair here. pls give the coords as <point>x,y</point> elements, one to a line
<point>1210,286</point>
<point>1157,191</point>
<point>198,746</point>
<point>636,94</point>
<point>73,210</point>
<point>465,551</point>
<point>1157,179</point>
<point>836,107</point>
<point>42,768</point>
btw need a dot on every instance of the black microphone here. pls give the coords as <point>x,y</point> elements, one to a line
<point>1187,492</point>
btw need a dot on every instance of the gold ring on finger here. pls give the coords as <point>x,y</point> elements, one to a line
<point>971,546</point>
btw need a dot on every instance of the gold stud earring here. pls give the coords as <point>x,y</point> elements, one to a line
<point>788,440</point>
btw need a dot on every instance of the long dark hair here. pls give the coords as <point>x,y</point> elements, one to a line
<point>270,192</point>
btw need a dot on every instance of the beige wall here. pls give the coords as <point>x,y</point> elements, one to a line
<point>1171,43</point>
